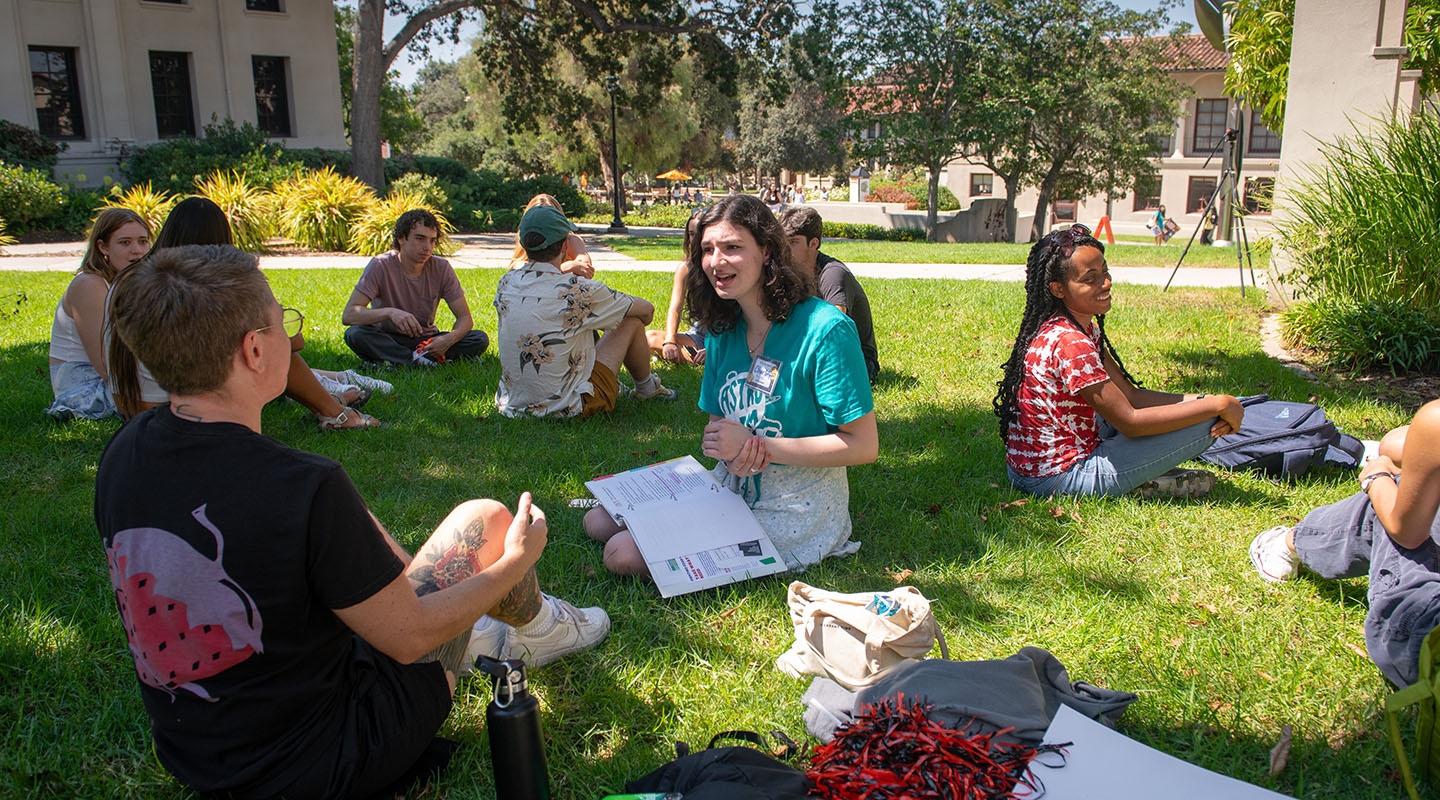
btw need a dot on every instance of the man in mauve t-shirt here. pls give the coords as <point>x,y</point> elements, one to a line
<point>391,313</point>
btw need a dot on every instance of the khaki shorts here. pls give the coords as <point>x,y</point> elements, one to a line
<point>605,387</point>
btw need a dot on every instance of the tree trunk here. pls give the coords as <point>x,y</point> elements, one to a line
<point>932,206</point>
<point>1042,204</point>
<point>365,94</point>
<point>1012,215</point>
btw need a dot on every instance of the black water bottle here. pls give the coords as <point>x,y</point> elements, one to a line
<point>513,721</point>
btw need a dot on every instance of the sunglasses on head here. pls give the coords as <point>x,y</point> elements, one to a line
<point>1067,238</point>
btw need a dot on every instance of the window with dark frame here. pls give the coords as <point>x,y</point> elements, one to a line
<point>272,94</point>
<point>1209,124</point>
<point>982,184</point>
<point>263,5</point>
<point>1147,193</point>
<point>1262,139</point>
<point>1198,193</point>
<point>170,85</point>
<point>1258,194</point>
<point>57,93</point>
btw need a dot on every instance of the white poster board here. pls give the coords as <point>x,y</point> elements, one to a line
<point>693,533</point>
<point>1104,763</point>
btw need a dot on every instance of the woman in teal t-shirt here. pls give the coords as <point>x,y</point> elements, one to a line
<point>785,386</point>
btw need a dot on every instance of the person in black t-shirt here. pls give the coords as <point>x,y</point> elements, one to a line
<point>285,644</point>
<point>836,284</point>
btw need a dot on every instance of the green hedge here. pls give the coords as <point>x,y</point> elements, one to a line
<point>27,198</point>
<point>173,165</point>
<point>23,146</point>
<point>850,230</point>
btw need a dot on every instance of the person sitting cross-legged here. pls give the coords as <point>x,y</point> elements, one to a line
<point>391,313</point>
<point>550,361</point>
<point>285,644</point>
<point>1073,419</point>
<point>1389,530</point>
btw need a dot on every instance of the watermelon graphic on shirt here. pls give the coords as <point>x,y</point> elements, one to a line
<point>185,618</point>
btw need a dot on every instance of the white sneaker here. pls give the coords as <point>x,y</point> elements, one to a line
<point>366,382</point>
<point>1272,557</point>
<point>346,394</point>
<point>575,629</point>
<point>487,638</point>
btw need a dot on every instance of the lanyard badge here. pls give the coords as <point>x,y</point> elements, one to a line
<point>764,374</point>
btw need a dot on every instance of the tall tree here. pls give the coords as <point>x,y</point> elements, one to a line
<point>1043,92</point>
<point>1259,45</point>
<point>915,61</point>
<point>572,24</point>
<point>801,135</point>
<point>399,123</point>
<point>1102,107</point>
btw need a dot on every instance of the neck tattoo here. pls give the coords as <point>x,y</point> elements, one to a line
<point>183,413</point>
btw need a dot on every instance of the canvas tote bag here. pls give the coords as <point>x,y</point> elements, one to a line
<point>854,639</point>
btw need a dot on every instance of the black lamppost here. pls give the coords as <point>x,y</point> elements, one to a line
<point>612,85</point>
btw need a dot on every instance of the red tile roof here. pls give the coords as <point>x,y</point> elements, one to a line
<point>1192,53</point>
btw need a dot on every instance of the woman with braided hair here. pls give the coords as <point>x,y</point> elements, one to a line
<point>1073,420</point>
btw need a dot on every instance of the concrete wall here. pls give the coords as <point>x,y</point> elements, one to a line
<point>113,39</point>
<point>1345,77</point>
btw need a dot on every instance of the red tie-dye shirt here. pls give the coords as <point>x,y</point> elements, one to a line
<point>1054,428</point>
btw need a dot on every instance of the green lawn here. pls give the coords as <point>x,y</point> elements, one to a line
<point>669,248</point>
<point>1152,597</point>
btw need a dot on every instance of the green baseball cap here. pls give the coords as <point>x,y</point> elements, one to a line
<point>543,226</point>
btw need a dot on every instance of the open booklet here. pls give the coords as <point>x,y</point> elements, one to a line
<point>694,533</point>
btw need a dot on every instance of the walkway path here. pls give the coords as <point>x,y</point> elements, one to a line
<point>493,251</point>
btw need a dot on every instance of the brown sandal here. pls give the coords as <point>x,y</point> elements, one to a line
<point>348,419</point>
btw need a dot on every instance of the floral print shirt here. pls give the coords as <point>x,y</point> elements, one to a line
<point>546,338</point>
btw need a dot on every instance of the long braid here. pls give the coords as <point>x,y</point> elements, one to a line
<point>1107,347</point>
<point>1046,263</point>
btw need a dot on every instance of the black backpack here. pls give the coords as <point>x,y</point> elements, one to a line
<point>727,773</point>
<point>1284,440</point>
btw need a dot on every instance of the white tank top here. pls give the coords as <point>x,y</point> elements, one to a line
<point>65,343</point>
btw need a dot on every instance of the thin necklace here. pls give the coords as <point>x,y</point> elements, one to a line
<point>756,349</point>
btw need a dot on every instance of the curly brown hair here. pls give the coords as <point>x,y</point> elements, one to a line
<point>785,286</point>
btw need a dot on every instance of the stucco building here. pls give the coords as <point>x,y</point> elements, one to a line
<point>103,76</point>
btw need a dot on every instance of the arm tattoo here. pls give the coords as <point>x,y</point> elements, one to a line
<point>446,560</point>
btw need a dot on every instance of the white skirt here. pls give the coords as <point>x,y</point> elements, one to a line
<point>804,510</point>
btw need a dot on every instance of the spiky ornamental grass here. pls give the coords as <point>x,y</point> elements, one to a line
<point>317,208</point>
<point>153,205</point>
<point>249,206</point>
<point>1156,597</point>
<point>1364,235</point>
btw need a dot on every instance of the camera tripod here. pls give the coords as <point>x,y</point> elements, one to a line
<point>1228,184</point>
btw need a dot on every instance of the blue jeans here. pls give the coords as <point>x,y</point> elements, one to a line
<point>1346,540</point>
<point>1120,463</point>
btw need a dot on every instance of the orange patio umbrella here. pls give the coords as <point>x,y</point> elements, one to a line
<point>672,175</point>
